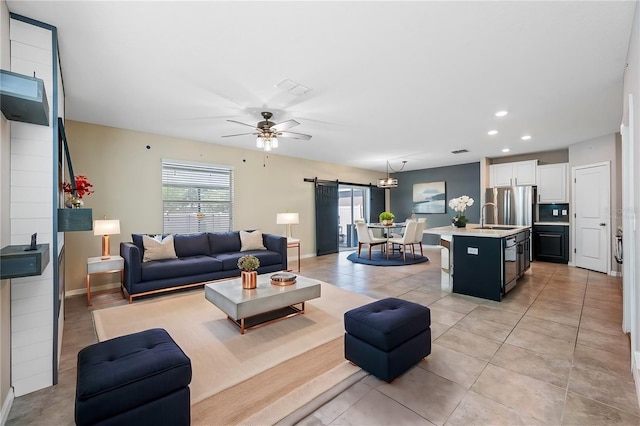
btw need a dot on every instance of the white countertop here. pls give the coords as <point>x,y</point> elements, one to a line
<point>471,230</point>
<point>552,223</point>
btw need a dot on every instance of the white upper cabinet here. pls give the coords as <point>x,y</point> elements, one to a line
<point>512,174</point>
<point>552,183</point>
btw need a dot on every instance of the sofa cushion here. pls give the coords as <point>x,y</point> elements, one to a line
<point>137,240</point>
<point>191,244</point>
<point>266,258</point>
<point>224,242</point>
<point>154,249</point>
<point>251,240</point>
<point>180,267</point>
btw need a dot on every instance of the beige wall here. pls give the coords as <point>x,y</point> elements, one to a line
<point>5,231</point>
<point>543,157</point>
<point>127,183</point>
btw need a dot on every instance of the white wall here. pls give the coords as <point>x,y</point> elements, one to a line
<point>632,86</point>
<point>6,393</point>
<point>31,210</point>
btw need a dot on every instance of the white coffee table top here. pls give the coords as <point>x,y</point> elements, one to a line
<point>240,303</point>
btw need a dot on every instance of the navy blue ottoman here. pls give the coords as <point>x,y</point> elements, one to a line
<point>137,379</point>
<point>387,337</point>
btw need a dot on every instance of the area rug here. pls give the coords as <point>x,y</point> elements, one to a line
<point>380,259</point>
<point>234,375</point>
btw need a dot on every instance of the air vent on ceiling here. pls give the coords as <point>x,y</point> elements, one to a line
<point>459,151</point>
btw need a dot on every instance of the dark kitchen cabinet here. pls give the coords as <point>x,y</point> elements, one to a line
<point>489,267</point>
<point>551,243</point>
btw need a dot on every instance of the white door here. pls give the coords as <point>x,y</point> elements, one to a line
<point>591,189</point>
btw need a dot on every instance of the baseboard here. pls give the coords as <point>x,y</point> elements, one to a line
<point>6,407</point>
<point>93,289</point>
<point>636,373</point>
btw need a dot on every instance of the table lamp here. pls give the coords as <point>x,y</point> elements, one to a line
<point>106,228</point>
<point>288,219</point>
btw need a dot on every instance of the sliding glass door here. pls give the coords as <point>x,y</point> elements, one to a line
<point>352,206</point>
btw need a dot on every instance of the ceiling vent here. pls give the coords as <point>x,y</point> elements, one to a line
<point>292,87</point>
<point>459,151</point>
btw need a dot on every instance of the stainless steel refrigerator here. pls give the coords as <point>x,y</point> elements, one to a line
<point>512,205</point>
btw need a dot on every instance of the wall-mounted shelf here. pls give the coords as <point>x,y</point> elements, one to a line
<point>16,261</point>
<point>74,220</point>
<point>23,98</point>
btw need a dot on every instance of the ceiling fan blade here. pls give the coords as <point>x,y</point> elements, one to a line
<point>294,135</point>
<point>285,125</point>
<point>244,124</point>
<point>239,134</point>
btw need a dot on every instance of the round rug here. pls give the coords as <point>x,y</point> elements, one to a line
<point>380,259</point>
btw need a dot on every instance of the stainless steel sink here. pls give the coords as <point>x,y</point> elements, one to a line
<point>496,227</point>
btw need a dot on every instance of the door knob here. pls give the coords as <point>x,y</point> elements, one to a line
<point>603,224</point>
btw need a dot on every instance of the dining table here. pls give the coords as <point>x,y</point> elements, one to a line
<point>387,228</point>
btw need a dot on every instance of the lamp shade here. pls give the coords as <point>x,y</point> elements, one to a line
<point>106,227</point>
<point>287,219</point>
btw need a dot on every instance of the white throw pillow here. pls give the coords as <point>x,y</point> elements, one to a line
<point>251,240</point>
<point>154,249</point>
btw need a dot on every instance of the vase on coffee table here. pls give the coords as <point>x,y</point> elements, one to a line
<point>249,279</point>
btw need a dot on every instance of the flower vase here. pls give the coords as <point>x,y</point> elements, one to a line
<point>249,279</point>
<point>387,222</point>
<point>73,202</point>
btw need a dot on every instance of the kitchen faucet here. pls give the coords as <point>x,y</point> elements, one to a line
<point>482,213</point>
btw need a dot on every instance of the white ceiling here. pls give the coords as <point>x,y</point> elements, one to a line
<point>390,80</point>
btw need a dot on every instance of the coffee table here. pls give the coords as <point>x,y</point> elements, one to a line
<point>264,304</point>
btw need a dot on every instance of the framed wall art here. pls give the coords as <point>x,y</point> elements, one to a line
<point>429,197</point>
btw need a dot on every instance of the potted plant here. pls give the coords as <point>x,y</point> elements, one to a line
<point>459,205</point>
<point>386,218</point>
<point>248,265</point>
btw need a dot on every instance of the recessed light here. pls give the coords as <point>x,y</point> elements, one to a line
<point>505,150</point>
<point>492,132</point>
<point>526,137</point>
<point>501,113</point>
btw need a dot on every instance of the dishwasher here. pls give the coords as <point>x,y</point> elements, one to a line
<point>510,263</point>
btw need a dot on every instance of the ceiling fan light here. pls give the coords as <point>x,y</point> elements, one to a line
<point>274,142</point>
<point>260,142</point>
<point>267,145</point>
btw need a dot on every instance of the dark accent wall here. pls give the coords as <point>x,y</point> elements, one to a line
<point>462,179</point>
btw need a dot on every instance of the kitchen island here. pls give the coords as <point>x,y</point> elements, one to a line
<point>485,261</point>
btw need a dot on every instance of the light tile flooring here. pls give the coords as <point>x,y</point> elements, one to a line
<point>552,352</point>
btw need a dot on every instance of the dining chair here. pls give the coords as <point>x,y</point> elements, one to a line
<point>419,234</point>
<point>406,240</point>
<point>365,237</point>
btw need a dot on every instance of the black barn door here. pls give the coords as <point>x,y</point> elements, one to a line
<point>376,203</point>
<point>326,217</point>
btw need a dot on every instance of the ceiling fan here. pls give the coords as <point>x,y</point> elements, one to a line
<point>268,132</point>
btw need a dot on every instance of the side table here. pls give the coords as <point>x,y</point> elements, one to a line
<point>96,265</point>
<point>293,243</point>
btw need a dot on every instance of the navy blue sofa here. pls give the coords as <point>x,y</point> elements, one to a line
<point>202,257</point>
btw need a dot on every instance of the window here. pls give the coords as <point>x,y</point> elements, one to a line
<point>196,197</point>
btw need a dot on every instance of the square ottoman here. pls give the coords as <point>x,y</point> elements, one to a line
<point>137,379</point>
<point>387,337</point>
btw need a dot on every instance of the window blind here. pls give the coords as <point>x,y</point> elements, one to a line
<point>196,197</point>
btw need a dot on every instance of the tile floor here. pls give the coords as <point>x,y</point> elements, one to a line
<point>552,352</point>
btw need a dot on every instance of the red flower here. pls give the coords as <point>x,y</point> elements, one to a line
<point>83,187</point>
